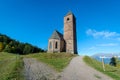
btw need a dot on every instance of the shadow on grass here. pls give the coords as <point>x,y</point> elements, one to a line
<point>111,70</point>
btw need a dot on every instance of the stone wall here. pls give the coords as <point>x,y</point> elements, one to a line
<point>70,33</point>
<point>52,45</point>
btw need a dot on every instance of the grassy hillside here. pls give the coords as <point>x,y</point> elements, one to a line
<point>113,72</point>
<point>57,60</point>
<point>11,66</point>
<point>10,45</point>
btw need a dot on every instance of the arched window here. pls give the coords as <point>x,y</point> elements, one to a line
<point>50,45</point>
<point>56,45</point>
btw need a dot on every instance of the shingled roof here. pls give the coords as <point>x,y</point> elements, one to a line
<point>56,35</point>
<point>69,13</point>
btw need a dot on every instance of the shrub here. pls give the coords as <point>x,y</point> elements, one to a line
<point>113,61</point>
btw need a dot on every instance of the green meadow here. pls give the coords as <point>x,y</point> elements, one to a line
<point>11,66</point>
<point>56,60</point>
<point>113,72</point>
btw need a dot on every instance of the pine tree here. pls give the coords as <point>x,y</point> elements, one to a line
<point>1,46</point>
<point>113,61</point>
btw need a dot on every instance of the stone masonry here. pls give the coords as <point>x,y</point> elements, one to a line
<point>67,42</point>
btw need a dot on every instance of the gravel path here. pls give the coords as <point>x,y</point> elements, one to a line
<point>35,70</point>
<point>76,70</point>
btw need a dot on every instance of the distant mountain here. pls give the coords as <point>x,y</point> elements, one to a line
<point>107,56</point>
<point>12,46</point>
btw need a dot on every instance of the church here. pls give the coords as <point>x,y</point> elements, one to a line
<point>66,42</point>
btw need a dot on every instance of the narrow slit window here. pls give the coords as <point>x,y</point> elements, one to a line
<point>50,45</point>
<point>56,45</point>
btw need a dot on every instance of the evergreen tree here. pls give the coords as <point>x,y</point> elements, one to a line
<point>1,46</point>
<point>27,49</point>
<point>12,46</point>
<point>113,61</point>
<point>7,49</point>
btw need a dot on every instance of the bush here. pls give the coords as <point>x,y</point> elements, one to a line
<point>113,61</point>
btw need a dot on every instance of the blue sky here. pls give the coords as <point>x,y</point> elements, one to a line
<point>33,21</point>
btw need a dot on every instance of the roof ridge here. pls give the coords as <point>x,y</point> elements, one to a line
<point>70,12</point>
<point>56,35</point>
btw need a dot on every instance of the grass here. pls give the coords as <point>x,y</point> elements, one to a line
<point>11,66</point>
<point>118,63</point>
<point>113,72</point>
<point>56,60</point>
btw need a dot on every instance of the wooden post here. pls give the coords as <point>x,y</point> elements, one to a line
<point>103,64</point>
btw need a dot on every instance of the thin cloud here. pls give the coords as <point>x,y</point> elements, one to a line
<point>103,34</point>
<point>92,48</point>
<point>108,44</point>
<point>118,38</point>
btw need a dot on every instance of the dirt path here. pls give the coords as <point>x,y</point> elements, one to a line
<point>76,70</point>
<point>35,70</point>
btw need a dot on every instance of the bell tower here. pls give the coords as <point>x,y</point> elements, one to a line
<point>70,33</point>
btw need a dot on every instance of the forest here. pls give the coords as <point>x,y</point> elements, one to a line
<point>13,46</point>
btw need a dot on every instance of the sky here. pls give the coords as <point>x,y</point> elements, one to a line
<point>33,21</point>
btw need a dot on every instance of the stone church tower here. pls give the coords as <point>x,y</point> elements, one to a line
<point>67,42</point>
<point>70,33</point>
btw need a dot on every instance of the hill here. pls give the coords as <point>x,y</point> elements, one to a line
<point>107,56</point>
<point>17,67</point>
<point>70,67</point>
<point>56,60</point>
<point>11,66</point>
<point>113,72</point>
<point>13,46</point>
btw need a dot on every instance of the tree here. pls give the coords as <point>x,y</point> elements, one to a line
<point>27,49</point>
<point>12,46</point>
<point>7,49</point>
<point>1,46</point>
<point>20,48</point>
<point>113,61</point>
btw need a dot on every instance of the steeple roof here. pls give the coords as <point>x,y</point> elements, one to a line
<point>56,35</point>
<point>69,13</point>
